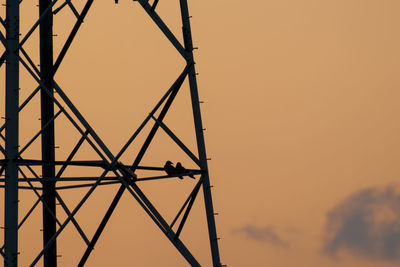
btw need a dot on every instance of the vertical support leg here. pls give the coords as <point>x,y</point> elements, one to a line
<point>187,36</point>
<point>48,144</point>
<point>12,99</point>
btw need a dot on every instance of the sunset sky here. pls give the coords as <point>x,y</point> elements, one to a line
<point>302,117</point>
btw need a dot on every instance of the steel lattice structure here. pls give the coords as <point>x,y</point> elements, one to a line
<point>45,175</point>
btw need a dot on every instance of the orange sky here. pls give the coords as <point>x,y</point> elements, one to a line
<point>302,117</point>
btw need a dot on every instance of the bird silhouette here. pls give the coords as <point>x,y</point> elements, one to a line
<point>180,169</point>
<point>170,169</point>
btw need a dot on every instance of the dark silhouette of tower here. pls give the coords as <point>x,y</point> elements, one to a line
<point>45,174</point>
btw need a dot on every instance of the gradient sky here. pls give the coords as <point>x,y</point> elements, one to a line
<point>303,127</point>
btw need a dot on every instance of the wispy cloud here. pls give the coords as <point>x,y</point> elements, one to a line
<point>366,224</point>
<point>261,234</point>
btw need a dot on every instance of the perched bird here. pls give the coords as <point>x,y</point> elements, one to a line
<point>180,169</point>
<point>170,169</point>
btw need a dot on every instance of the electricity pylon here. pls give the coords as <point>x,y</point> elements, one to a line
<point>45,174</point>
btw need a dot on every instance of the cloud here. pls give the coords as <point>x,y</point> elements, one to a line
<point>366,224</point>
<point>262,234</point>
